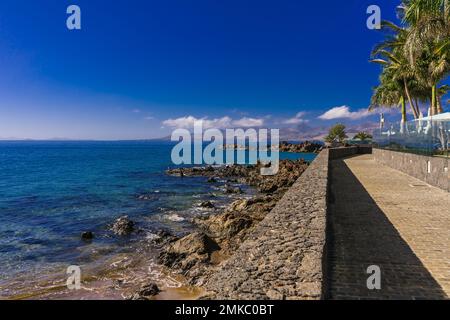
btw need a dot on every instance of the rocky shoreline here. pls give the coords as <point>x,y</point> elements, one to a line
<point>218,235</point>
<point>284,146</point>
<point>306,146</point>
<point>219,230</point>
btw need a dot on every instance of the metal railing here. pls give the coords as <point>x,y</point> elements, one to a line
<point>423,136</point>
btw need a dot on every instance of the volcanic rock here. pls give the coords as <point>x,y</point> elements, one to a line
<point>123,226</point>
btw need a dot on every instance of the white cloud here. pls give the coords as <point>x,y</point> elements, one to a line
<point>344,112</point>
<point>183,122</point>
<point>136,110</point>
<point>218,123</point>
<point>149,118</point>
<point>248,122</point>
<point>297,119</point>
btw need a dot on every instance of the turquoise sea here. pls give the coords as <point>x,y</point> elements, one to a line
<point>52,191</point>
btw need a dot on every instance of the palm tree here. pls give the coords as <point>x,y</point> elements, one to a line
<point>415,57</point>
<point>363,136</point>
<point>415,10</point>
<point>389,93</point>
<point>390,54</point>
<point>336,134</point>
<point>427,45</point>
<point>441,91</point>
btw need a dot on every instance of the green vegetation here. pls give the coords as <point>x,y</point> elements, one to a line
<point>336,134</point>
<point>363,136</point>
<point>415,58</point>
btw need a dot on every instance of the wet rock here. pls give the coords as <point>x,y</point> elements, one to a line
<point>149,290</point>
<point>192,171</point>
<point>164,234</point>
<point>268,187</point>
<point>123,226</point>
<point>175,172</point>
<point>136,296</point>
<point>146,197</point>
<point>87,235</point>
<point>211,180</point>
<point>206,204</point>
<point>230,189</point>
<point>164,237</point>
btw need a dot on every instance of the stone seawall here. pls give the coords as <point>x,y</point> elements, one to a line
<point>283,257</point>
<point>432,170</point>
<point>337,153</point>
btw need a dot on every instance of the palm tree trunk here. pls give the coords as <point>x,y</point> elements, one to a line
<point>413,108</point>
<point>416,103</point>
<point>439,105</point>
<point>403,123</point>
<point>433,100</point>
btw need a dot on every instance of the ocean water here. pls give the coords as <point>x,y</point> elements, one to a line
<point>50,192</point>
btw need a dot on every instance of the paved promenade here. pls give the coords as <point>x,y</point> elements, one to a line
<point>380,216</point>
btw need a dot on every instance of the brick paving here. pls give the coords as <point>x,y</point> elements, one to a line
<point>380,216</point>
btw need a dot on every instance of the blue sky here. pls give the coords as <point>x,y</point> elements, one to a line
<point>137,69</point>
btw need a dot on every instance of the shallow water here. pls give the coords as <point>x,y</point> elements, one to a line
<point>53,191</point>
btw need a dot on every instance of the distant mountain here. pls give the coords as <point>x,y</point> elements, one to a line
<point>368,127</point>
<point>304,131</point>
<point>166,138</point>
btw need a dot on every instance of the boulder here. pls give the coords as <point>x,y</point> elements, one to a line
<point>189,251</point>
<point>147,197</point>
<point>87,235</point>
<point>237,205</point>
<point>231,189</point>
<point>206,204</point>
<point>149,290</point>
<point>226,225</point>
<point>163,237</point>
<point>123,226</point>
